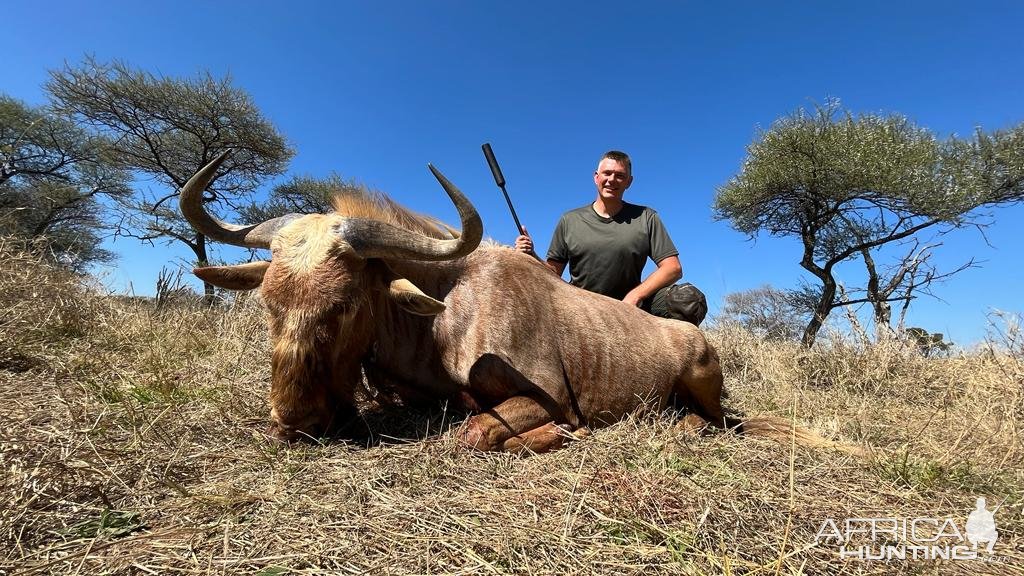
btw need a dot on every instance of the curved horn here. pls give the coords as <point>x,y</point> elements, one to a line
<point>191,203</point>
<point>374,239</point>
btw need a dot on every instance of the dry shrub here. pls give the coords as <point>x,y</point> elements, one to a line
<point>41,305</point>
<point>137,447</point>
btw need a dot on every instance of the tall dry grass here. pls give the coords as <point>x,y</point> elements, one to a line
<point>131,443</point>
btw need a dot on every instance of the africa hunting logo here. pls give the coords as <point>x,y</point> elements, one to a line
<point>913,538</point>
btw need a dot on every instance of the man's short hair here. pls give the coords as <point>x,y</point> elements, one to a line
<point>620,157</point>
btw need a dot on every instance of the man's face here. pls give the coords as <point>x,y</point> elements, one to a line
<point>612,178</point>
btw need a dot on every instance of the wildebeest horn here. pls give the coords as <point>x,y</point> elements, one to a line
<point>374,239</point>
<point>191,203</point>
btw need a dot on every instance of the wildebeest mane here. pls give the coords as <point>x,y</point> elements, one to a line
<point>364,203</point>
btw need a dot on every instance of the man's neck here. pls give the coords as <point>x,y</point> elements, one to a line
<point>607,208</point>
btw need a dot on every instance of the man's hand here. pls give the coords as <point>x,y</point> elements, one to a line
<point>524,243</point>
<point>668,272</point>
<point>633,298</point>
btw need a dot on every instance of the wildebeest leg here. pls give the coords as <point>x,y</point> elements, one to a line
<point>545,438</point>
<point>700,390</point>
<point>517,423</point>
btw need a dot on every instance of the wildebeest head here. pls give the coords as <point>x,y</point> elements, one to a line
<point>325,269</point>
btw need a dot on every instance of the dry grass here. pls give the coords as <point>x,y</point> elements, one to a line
<point>131,444</point>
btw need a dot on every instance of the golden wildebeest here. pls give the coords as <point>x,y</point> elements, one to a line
<point>373,288</point>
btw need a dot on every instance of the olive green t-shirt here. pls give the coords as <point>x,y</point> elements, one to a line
<point>607,255</point>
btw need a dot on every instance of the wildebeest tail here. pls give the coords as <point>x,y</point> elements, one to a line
<point>782,430</point>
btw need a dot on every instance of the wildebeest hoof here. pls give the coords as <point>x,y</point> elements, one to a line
<point>694,424</point>
<point>474,437</point>
<point>581,433</point>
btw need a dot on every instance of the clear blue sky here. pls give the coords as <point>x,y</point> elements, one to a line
<point>375,90</point>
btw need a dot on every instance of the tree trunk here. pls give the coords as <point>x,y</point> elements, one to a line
<point>209,293</point>
<point>883,320</point>
<point>821,310</point>
<point>878,298</point>
<point>828,286</point>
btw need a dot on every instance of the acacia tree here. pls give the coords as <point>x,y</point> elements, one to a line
<point>52,173</point>
<point>846,186</point>
<point>166,129</point>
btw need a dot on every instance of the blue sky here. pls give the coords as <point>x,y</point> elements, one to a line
<point>375,90</point>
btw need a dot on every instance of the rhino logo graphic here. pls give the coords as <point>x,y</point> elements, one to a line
<point>981,526</point>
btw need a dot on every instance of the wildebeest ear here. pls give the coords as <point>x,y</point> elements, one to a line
<point>238,277</point>
<point>412,299</point>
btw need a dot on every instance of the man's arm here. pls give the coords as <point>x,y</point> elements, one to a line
<point>555,266</point>
<point>524,244</point>
<point>669,271</point>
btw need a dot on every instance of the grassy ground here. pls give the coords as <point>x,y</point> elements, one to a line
<point>131,443</point>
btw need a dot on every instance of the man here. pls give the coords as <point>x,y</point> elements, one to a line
<point>606,245</point>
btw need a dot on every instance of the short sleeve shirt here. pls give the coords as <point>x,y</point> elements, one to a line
<point>607,255</point>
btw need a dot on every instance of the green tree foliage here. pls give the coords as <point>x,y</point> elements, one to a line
<point>166,129</point>
<point>300,195</point>
<point>52,175</point>
<point>847,185</point>
<point>928,343</point>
